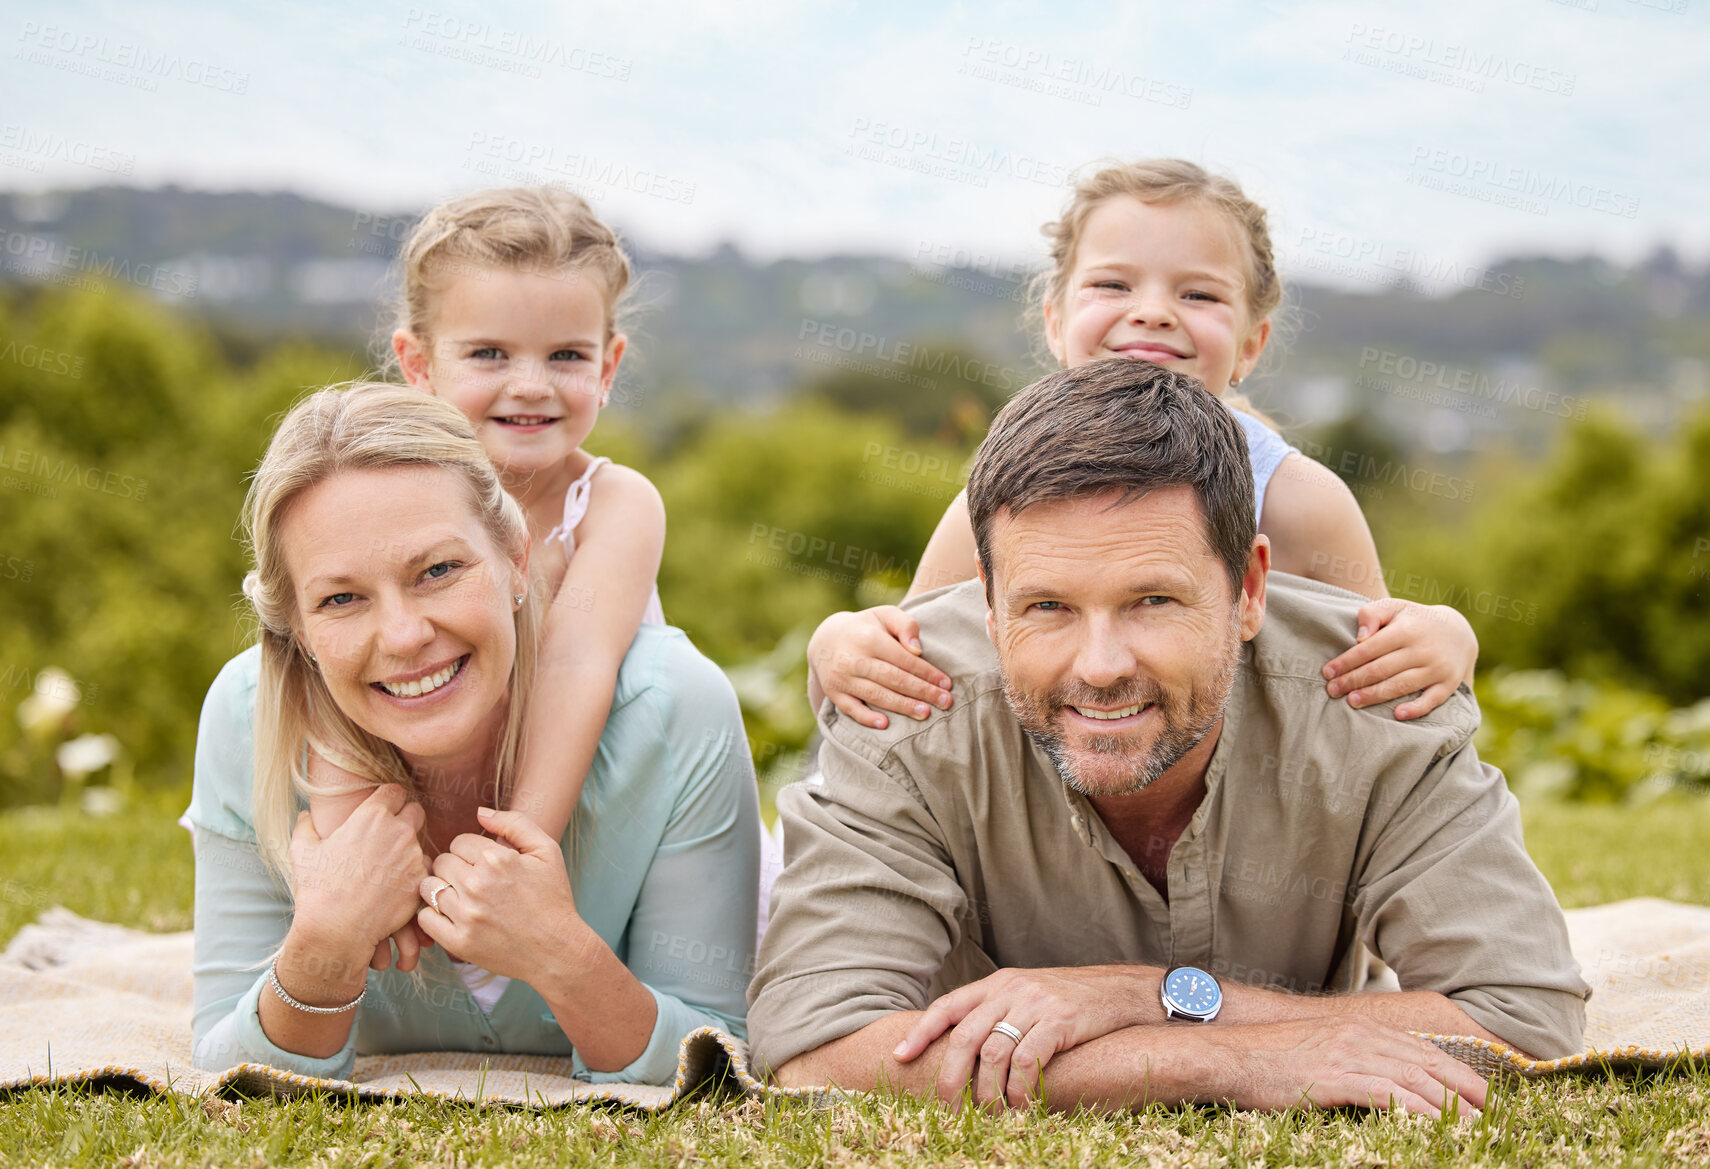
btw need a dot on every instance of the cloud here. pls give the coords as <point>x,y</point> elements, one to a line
<point>1464,129</point>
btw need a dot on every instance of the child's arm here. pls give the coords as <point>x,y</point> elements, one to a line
<point>868,662</point>
<point>1404,646</point>
<point>334,794</point>
<point>586,633</point>
<point>951,556</point>
<point>1317,530</point>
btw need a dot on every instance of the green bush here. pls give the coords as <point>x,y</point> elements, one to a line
<point>124,443</point>
<point>1598,561</point>
<point>1561,738</point>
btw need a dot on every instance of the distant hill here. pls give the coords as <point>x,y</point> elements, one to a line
<point>1479,366</point>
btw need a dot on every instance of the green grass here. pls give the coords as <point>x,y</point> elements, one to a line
<point>1594,1121</point>
<point>135,868</point>
<point>1597,853</point>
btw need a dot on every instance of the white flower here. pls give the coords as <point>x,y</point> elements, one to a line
<point>101,801</point>
<point>56,695</point>
<point>86,753</point>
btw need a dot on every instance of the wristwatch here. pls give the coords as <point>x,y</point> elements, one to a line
<point>1190,993</point>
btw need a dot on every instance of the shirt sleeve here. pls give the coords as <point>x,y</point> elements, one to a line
<point>864,915</point>
<point>242,917</point>
<point>1450,899</point>
<point>242,910</point>
<point>691,934</point>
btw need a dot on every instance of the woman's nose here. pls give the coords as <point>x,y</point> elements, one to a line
<point>404,628</point>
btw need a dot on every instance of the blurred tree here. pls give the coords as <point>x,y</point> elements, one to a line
<point>778,519</point>
<point>124,445</point>
<point>126,438</point>
<point>1597,563</point>
<point>933,389</point>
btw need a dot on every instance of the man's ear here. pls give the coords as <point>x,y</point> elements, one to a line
<point>986,592</point>
<point>412,358</point>
<point>1253,587</point>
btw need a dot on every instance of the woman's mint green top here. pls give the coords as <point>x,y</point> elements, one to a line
<point>667,863</point>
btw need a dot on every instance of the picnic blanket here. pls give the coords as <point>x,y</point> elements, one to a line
<point>82,1001</point>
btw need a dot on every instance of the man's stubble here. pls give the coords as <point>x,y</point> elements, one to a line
<point>1187,720</point>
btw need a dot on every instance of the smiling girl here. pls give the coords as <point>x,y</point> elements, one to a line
<point>1159,260</point>
<point>509,314</point>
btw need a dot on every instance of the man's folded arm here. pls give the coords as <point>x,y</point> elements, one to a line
<point>1410,1010</point>
<point>1449,898</point>
<point>1325,1062</point>
<point>865,912</point>
<point>1097,1074</point>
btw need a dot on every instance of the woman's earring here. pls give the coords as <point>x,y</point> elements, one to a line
<point>518,597</point>
<point>1233,382</point>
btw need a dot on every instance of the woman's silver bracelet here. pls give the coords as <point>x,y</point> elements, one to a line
<point>273,980</point>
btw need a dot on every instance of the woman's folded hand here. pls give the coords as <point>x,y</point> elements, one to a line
<point>504,904</point>
<point>361,883</point>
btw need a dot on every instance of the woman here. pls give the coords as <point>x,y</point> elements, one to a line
<point>391,589</point>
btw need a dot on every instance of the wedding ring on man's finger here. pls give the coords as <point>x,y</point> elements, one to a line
<point>1008,1030</point>
<point>433,898</point>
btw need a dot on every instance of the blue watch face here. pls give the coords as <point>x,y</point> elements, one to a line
<point>1192,990</point>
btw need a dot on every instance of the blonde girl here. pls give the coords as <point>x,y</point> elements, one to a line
<point>509,309</point>
<point>1159,260</point>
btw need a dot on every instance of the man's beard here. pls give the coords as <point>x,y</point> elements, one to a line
<point>1187,720</point>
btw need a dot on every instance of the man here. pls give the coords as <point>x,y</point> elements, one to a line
<point>1146,807</point>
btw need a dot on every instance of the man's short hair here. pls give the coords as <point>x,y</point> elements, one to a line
<point>1117,425</point>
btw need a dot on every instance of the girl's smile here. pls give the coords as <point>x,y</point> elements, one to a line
<point>526,357</point>
<point>1161,282</point>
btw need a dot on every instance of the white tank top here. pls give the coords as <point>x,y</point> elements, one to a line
<point>575,507</point>
<point>1266,449</point>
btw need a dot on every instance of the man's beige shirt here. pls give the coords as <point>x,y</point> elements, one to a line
<point>930,854</point>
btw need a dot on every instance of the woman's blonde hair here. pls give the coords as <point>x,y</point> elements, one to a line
<point>1159,181</point>
<point>363,426</point>
<point>536,229</point>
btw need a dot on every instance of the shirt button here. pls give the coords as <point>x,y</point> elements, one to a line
<point>487,1041</point>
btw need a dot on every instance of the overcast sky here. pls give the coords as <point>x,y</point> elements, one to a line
<point>1383,137</point>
